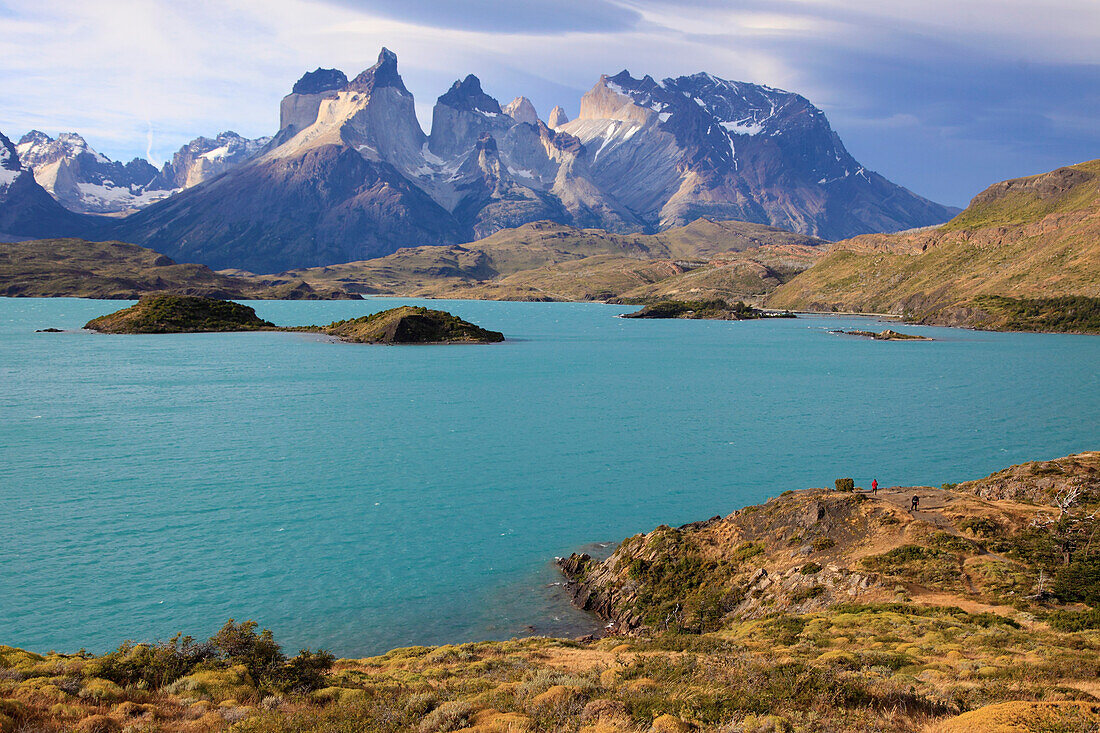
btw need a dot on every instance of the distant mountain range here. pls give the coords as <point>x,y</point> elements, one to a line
<point>351,175</point>
<point>86,181</point>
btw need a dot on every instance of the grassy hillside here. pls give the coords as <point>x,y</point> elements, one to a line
<point>549,261</point>
<point>820,611</point>
<point>116,270</point>
<point>747,275</point>
<point>1032,239</point>
<point>537,261</point>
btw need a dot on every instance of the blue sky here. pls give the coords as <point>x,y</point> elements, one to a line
<point>942,96</point>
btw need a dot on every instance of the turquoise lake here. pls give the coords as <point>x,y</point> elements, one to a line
<point>359,498</point>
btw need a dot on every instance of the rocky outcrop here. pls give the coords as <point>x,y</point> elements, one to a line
<point>204,158</point>
<point>462,116</point>
<point>557,118</point>
<point>298,110</point>
<point>712,310</point>
<point>1041,482</point>
<point>809,550</point>
<point>887,335</point>
<point>520,109</point>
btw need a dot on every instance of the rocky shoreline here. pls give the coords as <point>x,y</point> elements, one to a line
<point>819,611</point>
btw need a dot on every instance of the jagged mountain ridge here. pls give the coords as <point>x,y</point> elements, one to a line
<point>86,181</point>
<point>693,146</point>
<point>27,210</point>
<point>351,175</point>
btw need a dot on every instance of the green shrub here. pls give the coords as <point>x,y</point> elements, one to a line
<point>845,484</point>
<point>822,543</point>
<point>1078,581</point>
<point>810,568</point>
<point>1080,314</point>
<point>1075,620</point>
<point>784,630</point>
<point>924,565</point>
<point>981,526</point>
<point>101,691</point>
<point>151,665</point>
<point>952,543</point>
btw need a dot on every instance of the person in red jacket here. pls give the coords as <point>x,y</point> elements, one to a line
<point>874,486</point>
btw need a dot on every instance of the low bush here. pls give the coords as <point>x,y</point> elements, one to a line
<point>1075,620</point>
<point>845,484</point>
<point>153,666</point>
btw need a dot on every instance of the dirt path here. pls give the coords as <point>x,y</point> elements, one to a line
<point>931,501</point>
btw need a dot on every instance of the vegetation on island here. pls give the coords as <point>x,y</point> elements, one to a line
<point>715,309</point>
<point>820,611</point>
<point>409,325</point>
<point>167,313</point>
<point>170,313</point>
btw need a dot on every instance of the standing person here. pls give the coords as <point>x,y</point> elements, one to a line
<point>874,486</point>
<point>916,503</point>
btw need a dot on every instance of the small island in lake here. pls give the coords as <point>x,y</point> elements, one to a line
<point>168,313</point>
<point>716,310</point>
<point>887,335</point>
<point>409,325</point>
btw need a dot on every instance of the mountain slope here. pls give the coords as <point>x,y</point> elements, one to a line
<point>679,149</point>
<point>326,195</point>
<point>76,268</point>
<point>1032,238</point>
<point>85,181</point>
<point>27,210</point>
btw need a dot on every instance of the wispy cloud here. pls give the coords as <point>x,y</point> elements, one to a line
<point>943,96</point>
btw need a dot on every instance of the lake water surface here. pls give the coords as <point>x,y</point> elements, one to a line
<point>360,498</point>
